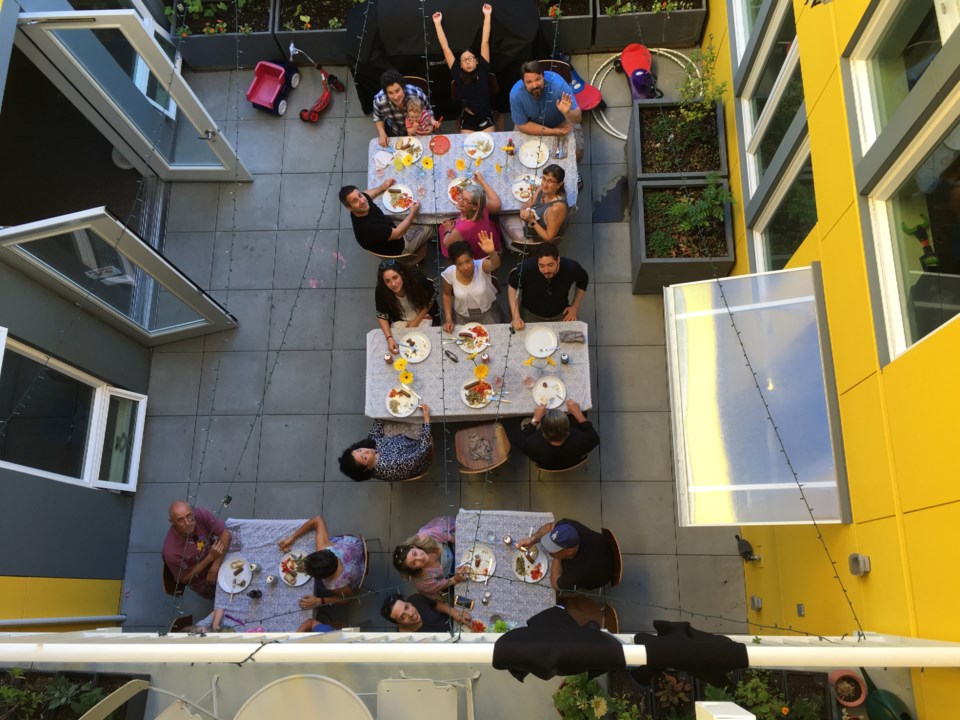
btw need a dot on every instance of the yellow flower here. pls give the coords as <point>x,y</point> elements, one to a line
<point>478,161</point>
<point>407,160</point>
<point>400,364</point>
<point>498,167</point>
<point>529,361</point>
<point>481,371</point>
<point>406,377</point>
<point>397,164</point>
<point>550,361</point>
<point>471,356</point>
<point>427,163</point>
<point>461,165</point>
<point>599,707</point>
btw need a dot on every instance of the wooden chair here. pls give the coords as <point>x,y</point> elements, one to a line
<point>544,471</point>
<point>611,621</point>
<point>495,435</point>
<point>180,623</point>
<point>560,67</point>
<point>406,258</point>
<point>170,585</point>
<point>366,562</point>
<point>427,471</point>
<point>617,556</point>
<point>419,82</point>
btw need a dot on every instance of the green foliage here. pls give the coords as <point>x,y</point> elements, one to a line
<point>672,691</point>
<point>579,698</point>
<point>334,23</point>
<point>716,694</point>
<point>17,703</point>
<point>209,18</point>
<point>699,89</point>
<point>696,212</point>
<point>500,626</point>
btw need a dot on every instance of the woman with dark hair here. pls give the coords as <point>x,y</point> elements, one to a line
<point>427,558</point>
<point>405,298</point>
<point>389,457</point>
<point>543,218</point>
<point>476,204</point>
<point>339,563</point>
<point>471,78</point>
<point>468,291</point>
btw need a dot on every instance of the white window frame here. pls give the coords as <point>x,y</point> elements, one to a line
<point>97,423</point>
<point>790,173</point>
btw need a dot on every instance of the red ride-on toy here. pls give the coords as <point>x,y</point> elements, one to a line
<point>272,81</point>
<point>312,114</point>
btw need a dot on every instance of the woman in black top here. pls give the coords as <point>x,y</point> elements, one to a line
<point>404,298</point>
<point>470,79</point>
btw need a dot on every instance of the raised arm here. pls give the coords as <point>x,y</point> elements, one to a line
<point>492,261</point>
<point>535,538</point>
<point>493,200</point>
<point>441,36</point>
<point>485,36</point>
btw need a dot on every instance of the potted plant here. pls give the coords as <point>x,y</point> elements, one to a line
<point>215,35</point>
<point>654,23</point>
<point>318,27</point>
<point>568,25</point>
<point>848,688</point>
<point>673,693</point>
<point>579,698</point>
<point>63,696</point>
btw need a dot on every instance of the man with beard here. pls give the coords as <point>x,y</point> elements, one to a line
<point>542,103</point>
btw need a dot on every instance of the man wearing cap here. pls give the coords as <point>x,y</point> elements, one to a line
<point>582,558</point>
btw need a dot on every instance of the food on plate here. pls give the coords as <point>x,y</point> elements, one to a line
<point>456,189</point>
<point>520,565</point>
<point>478,147</point>
<point>476,393</point>
<point>477,626</point>
<point>404,143</point>
<point>474,338</point>
<point>398,199</point>
<point>291,566</point>
<point>536,572</point>
<point>477,560</point>
<point>237,565</point>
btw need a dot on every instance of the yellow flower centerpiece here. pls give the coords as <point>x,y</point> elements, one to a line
<point>406,377</point>
<point>407,160</point>
<point>427,163</point>
<point>461,165</point>
<point>481,371</point>
<point>400,364</point>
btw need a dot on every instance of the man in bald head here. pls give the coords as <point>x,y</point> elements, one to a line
<point>194,548</point>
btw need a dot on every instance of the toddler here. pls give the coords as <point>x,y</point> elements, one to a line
<point>419,119</point>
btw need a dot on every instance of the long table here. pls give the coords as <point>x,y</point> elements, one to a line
<point>430,186</point>
<point>513,599</point>
<point>439,380</point>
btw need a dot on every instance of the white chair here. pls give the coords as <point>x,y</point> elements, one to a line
<point>177,711</point>
<point>405,698</point>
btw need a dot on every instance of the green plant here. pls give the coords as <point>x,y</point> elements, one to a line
<point>334,23</point>
<point>18,703</point>
<point>622,7</point>
<point>64,693</point>
<point>696,212</point>
<point>672,691</point>
<point>699,90</point>
<point>579,698</point>
<point>755,694</point>
<point>500,626</point>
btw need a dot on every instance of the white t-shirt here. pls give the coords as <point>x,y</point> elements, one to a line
<point>478,295</point>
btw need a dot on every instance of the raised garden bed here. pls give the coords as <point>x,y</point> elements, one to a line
<point>572,30</point>
<point>31,695</point>
<point>223,36</point>
<point>318,27</point>
<point>669,146</point>
<point>679,23</point>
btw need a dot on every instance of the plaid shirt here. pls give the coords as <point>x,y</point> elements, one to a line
<point>392,116</point>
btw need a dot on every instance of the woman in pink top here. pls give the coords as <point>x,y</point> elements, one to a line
<point>427,558</point>
<point>476,204</point>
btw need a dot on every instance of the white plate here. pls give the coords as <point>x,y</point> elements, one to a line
<point>415,149</point>
<point>463,394</point>
<point>525,188</point>
<point>301,577</point>
<point>542,561</point>
<point>398,405</point>
<point>549,390</point>
<point>534,153</point>
<point>540,341</point>
<point>415,347</point>
<point>478,145</point>
<point>231,583</point>
<point>487,562</point>
<point>478,344</point>
<point>390,198</point>
<point>458,183</point>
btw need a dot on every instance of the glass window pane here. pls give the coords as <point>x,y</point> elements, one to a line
<point>783,115</point>
<point>49,416</point>
<point>749,9</point>
<point>792,221</point>
<point>925,227</point>
<point>772,65</point>
<point>118,441</point>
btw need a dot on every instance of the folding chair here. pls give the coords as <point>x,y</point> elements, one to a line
<point>494,434</point>
<point>170,584</point>
<point>617,556</point>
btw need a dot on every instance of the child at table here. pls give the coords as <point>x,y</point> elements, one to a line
<point>419,119</point>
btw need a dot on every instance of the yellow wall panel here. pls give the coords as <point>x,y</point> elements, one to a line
<point>763,579</point>
<point>66,597</point>
<point>808,252</point>
<point>933,553</point>
<point>13,596</point>
<point>935,691</point>
<point>815,31</point>
<point>830,155</point>
<point>888,606</point>
<point>862,421</point>
<point>846,17</point>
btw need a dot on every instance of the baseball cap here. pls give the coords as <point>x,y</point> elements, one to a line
<point>562,536</point>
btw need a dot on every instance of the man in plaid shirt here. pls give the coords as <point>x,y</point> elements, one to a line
<point>389,105</point>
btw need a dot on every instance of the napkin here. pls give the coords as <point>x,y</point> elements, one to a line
<point>382,159</point>
<point>572,336</point>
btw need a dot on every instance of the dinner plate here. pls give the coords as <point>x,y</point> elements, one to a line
<point>301,578</point>
<point>534,153</point>
<point>457,184</point>
<point>532,572</point>
<point>440,144</point>
<point>398,202</point>
<point>480,562</point>
<point>231,583</point>
<point>401,402</point>
<point>408,145</point>
<point>540,341</point>
<point>488,394</point>
<point>550,391</point>
<point>478,343</point>
<point>525,188</point>
<point>415,347</point>
<point>478,145</point>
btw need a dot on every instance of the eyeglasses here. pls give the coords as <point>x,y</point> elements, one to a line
<point>387,263</point>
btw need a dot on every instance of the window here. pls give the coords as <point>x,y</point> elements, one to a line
<point>744,14</point>
<point>60,423</point>
<point>793,216</point>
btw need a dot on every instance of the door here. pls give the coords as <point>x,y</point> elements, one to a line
<point>111,64</point>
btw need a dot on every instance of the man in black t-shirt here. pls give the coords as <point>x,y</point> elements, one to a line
<point>553,441</point>
<point>419,613</point>
<point>540,288</point>
<point>376,232</point>
<point>582,559</point>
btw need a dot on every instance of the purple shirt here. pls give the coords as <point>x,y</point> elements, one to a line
<point>182,554</point>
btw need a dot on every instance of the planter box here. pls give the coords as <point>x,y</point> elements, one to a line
<point>575,33</point>
<point>635,149</point>
<point>651,274</point>
<point>227,51</point>
<point>680,28</point>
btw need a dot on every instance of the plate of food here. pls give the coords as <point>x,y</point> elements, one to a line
<point>534,153</point>
<point>549,391</point>
<point>234,576</point>
<point>398,198</point>
<point>291,569</point>
<point>477,393</point>
<point>532,571</point>
<point>401,402</point>
<point>474,626</point>
<point>525,188</point>
<point>415,347</point>
<point>480,562</point>
<point>473,338</point>
<point>455,188</point>
<point>478,145</point>
<point>540,341</point>
<point>439,144</point>
<point>408,146</point>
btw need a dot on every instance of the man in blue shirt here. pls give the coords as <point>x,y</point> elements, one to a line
<point>542,103</point>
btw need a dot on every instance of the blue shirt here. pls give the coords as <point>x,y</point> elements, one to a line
<point>543,111</point>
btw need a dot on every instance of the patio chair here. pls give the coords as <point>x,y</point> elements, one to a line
<point>419,82</point>
<point>176,711</point>
<point>407,258</point>
<point>304,696</point>
<point>170,584</point>
<point>611,621</point>
<point>493,433</point>
<point>617,556</point>
<point>405,698</point>
<point>544,471</point>
<point>560,67</point>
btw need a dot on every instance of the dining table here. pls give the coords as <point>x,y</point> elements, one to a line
<point>429,174</point>
<point>510,598</point>
<point>438,376</point>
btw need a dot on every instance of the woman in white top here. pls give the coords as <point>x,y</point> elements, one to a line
<point>468,291</point>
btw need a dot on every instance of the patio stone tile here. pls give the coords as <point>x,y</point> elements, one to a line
<point>167,448</point>
<point>150,520</point>
<point>212,89</point>
<point>650,590</point>
<point>343,431</point>
<point>193,207</point>
<point>587,125</point>
<point>576,500</point>
<point>174,383</point>
<point>249,206</point>
<point>707,541</point>
<point>641,515</point>
<point>584,206</point>
<point>143,600</point>
<point>308,201</point>
<point>192,253</point>
<point>669,75</point>
<point>252,309</point>
<point>230,454</point>
<point>292,448</point>
<point>356,144</point>
<point>635,447</point>
<point>604,147</point>
<point>712,586</point>
<point>293,248</point>
<point>414,503</point>
<point>210,495</point>
<point>287,500</point>
<point>359,509</point>
<point>243,260</point>
<point>232,383</point>
<point>190,345</point>
<point>258,142</point>
<point>356,267</point>
<point>614,87</point>
<point>309,327</point>
<point>479,494</point>
<point>577,244</point>
<point>641,369</point>
<point>364,612</point>
<point>588,308</point>
<point>628,319</point>
<point>299,384</point>
<point>354,314</point>
<point>347,392</point>
<point>309,147</point>
<point>611,252</point>
<point>609,193</point>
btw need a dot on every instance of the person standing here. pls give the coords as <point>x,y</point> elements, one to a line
<point>194,547</point>
<point>390,105</point>
<point>540,288</point>
<point>471,80</point>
